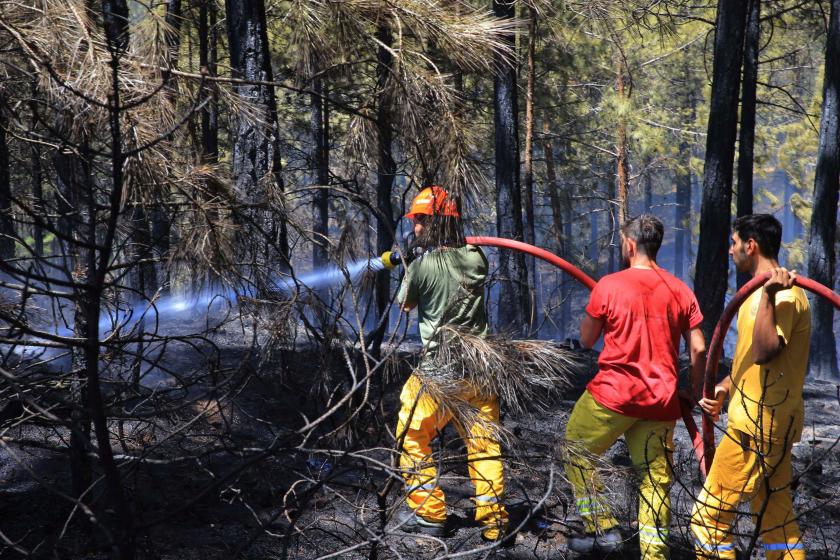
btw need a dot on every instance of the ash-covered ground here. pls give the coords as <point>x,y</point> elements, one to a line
<point>221,460</point>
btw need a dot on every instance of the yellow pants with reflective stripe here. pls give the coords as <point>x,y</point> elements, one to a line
<point>747,469</point>
<point>591,430</point>
<point>420,420</point>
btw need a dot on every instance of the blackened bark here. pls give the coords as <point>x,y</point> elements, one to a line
<point>72,175</point>
<point>255,147</point>
<point>386,169</point>
<point>682,209</point>
<point>612,216</point>
<point>561,225</point>
<point>514,301</point>
<point>528,167</point>
<point>7,225</point>
<point>115,17</point>
<point>321,159</point>
<point>823,235</point>
<point>173,35</point>
<point>622,174</point>
<point>710,275</point>
<point>207,54</point>
<point>746,134</point>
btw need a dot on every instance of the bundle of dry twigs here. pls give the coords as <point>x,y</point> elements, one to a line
<point>522,373</point>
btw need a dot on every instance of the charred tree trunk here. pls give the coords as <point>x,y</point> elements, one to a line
<point>386,169</point>
<point>37,171</point>
<point>622,174</point>
<point>682,217</point>
<point>561,226</point>
<point>255,148</point>
<point>207,55</point>
<point>321,160</point>
<point>823,235</point>
<point>528,166</point>
<point>612,217</point>
<point>710,275</point>
<point>7,225</point>
<point>746,138</point>
<point>115,14</point>
<point>71,182</point>
<point>173,36</point>
<point>514,301</point>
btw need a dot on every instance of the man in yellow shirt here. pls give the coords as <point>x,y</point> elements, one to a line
<point>753,460</point>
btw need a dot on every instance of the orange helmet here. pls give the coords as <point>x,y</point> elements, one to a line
<point>433,201</point>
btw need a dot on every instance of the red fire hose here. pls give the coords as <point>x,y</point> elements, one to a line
<point>716,346</point>
<point>547,256</point>
<point>583,278</point>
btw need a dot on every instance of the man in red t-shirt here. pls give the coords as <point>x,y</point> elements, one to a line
<point>643,313</point>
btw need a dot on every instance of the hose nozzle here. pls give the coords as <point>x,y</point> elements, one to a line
<point>391,259</point>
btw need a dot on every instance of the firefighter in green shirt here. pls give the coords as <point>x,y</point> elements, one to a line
<point>446,285</point>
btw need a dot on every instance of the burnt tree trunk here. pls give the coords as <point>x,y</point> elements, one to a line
<point>561,226</point>
<point>115,14</point>
<point>72,182</point>
<point>711,271</point>
<point>746,134</point>
<point>386,169</point>
<point>823,234</point>
<point>207,55</point>
<point>255,148</point>
<point>682,211</point>
<point>621,166</point>
<point>173,35</point>
<point>7,225</point>
<point>528,164</point>
<point>321,160</point>
<point>514,302</point>
<point>37,171</point>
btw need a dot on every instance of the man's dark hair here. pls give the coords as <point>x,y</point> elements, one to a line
<point>440,231</point>
<point>647,231</point>
<point>764,229</point>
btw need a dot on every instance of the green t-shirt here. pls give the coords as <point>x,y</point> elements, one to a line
<point>447,286</point>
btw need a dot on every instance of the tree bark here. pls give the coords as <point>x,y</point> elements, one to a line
<point>255,148</point>
<point>746,138</point>
<point>173,35</point>
<point>823,234</point>
<point>528,166</point>
<point>613,248</point>
<point>321,160</point>
<point>7,225</point>
<point>561,226</point>
<point>207,41</point>
<point>622,174</point>
<point>386,169</point>
<point>711,271</point>
<point>514,303</point>
<point>682,209</point>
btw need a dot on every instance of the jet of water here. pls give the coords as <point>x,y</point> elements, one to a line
<point>331,276</point>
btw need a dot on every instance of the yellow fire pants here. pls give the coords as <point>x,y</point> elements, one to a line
<point>591,430</point>
<point>420,419</point>
<point>747,469</point>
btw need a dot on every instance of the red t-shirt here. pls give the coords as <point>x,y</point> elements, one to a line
<point>645,313</point>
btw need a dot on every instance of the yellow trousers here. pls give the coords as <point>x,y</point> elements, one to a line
<point>420,420</point>
<point>591,430</point>
<point>747,469</point>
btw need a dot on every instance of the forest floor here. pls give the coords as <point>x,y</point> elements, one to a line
<point>253,493</point>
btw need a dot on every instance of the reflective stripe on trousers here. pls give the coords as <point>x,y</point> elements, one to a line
<point>591,430</point>
<point>420,419</point>
<point>739,474</point>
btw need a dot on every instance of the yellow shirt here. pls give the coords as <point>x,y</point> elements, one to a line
<point>766,401</point>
